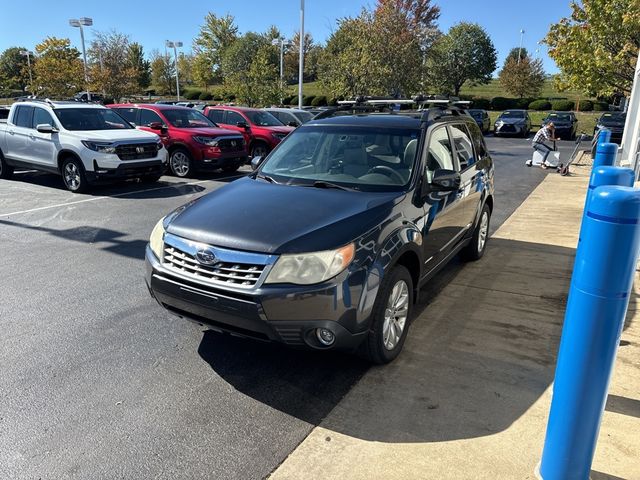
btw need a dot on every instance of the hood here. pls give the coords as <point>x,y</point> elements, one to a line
<point>123,135</point>
<point>558,123</point>
<point>257,216</point>
<point>279,129</point>
<point>511,121</point>
<point>210,132</point>
<point>611,122</point>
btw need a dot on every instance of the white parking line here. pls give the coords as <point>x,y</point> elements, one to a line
<point>93,199</point>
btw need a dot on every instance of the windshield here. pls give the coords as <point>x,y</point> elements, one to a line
<point>475,113</point>
<point>90,119</point>
<point>613,117</point>
<point>187,118</point>
<point>368,159</point>
<point>512,114</point>
<point>304,117</point>
<point>262,119</point>
<point>562,117</point>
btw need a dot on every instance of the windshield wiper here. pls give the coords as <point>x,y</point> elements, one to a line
<point>264,177</point>
<point>323,184</point>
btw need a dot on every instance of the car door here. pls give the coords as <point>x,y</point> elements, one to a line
<point>471,172</point>
<point>445,216</point>
<point>231,120</point>
<point>43,146</point>
<point>17,137</point>
<point>147,117</point>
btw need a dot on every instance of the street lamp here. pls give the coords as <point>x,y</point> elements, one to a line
<point>79,23</point>
<point>27,53</point>
<point>301,63</point>
<point>175,46</point>
<point>520,49</point>
<point>283,43</point>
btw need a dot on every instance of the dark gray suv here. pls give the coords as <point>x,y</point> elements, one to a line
<point>327,243</point>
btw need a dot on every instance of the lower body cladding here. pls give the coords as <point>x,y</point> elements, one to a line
<point>333,315</point>
<point>126,169</point>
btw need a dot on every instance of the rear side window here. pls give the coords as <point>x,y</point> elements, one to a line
<point>41,116</point>
<point>129,114</point>
<point>464,147</point>
<point>234,117</point>
<point>215,115</point>
<point>439,152</point>
<point>147,117</point>
<point>23,117</point>
<point>478,140</point>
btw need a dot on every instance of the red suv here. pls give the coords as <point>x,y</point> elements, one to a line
<point>261,130</point>
<point>193,141</point>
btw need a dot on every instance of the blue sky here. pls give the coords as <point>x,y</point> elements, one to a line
<point>150,22</point>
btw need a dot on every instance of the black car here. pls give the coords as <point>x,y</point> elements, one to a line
<point>482,119</point>
<point>613,121</point>
<point>513,122</point>
<point>565,124</point>
<point>326,245</point>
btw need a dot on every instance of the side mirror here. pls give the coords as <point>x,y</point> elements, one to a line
<point>242,125</point>
<point>256,162</point>
<point>46,128</point>
<point>293,124</point>
<point>156,125</point>
<point>445,180</point>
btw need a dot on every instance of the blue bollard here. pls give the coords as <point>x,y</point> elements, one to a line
<point>606,154</point>
<point>598,299</point>
<point>604,136</point>
<point>600,176</point>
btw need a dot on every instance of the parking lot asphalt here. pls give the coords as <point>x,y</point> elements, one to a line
<point>97,381</point>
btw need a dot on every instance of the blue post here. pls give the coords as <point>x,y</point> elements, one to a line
<point>604,136</point>
<point>606,154</point>
<point>598,299</point>
<point>607,175</point>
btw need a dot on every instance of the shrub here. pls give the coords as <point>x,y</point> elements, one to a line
<point>192,94</point>
<point>218,98</point>
<point>306,101</point>
<point>522,103</point>
<point>319,101</point>
<point>563,105</point>
<point>108,101</point>
<point>483,103</point>
<point>600,106</point>
<point>333,102</point>
<point>205,96</point>
<point>585,105</point>
<point>288,100</point>
<point>540,105</point>
<point>502,103</point>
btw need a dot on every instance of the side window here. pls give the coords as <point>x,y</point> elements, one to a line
<point>215,115</point>
<point>464,147</point>
<point>129,114</point>
<point>147,117</point>
<point>478,140</point>
<point>234,117</point>
<point>439,152</point>
<point>41,116</point>
<point>278,115</point>
<point>23,117</point>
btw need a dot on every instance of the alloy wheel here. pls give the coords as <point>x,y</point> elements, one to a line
<point>72,176</point>
<point>395,315</point>
<point>180,164</point>
<point>259,151</point>
<point>483,232</point>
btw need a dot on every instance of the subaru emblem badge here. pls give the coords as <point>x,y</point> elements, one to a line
<point>206,257</point>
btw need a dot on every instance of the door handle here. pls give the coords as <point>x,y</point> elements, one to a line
<point>32,136</point>
<point>11,132</point>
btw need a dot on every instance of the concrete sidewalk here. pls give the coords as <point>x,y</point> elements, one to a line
<point>469,396</point>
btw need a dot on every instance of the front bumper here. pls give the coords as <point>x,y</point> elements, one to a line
<point>214,163</point>
<point>126,170</point>
<point>509,129</point>
<point>285,314</point>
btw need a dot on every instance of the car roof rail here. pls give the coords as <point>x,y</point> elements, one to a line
<point>35,99</point>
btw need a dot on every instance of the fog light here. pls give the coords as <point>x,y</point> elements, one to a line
<point>325,336</point>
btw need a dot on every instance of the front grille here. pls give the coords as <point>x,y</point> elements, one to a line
<point>507,128</point>
<point>231,144</point>
<point>224,273</point>
<point>137,151</point>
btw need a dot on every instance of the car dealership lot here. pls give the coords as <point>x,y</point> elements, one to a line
<point>98,381</point>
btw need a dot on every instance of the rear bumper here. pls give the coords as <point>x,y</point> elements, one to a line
<point>125,170</point>
<point>275,314</point>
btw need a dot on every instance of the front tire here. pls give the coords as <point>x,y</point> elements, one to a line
<point>259,149</point>
<point>390,317</point>
<point>181,163</point>
<point>475,249</point>
<point>6,170</point>
<point>73,175</point>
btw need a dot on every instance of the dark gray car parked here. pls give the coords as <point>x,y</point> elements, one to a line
<point>327,243</point>
<point>513,122</point>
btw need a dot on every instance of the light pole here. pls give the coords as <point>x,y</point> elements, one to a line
<point>175,46</point>
<point>520,49</point>
<point>301,66</point>
<point>83,22</point>
<point>283,43</point>
<point>27,53</point>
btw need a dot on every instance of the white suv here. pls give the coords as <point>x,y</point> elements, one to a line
<point>84,143</point>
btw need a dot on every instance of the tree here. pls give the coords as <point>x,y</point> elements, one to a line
<point>464,54</point>
<point>58,71</point>
<point>203,70</point>
<point>312,54</point>
<point>215,37</point>
<point>142,66</point>
<point>516,53</point>
<point>596,48</point>
<point>14,72</point>
<point>421,17</point>
<point>522,79</point>
<point>111,69</point>
<point>163,73</point>
<point>185,68</point>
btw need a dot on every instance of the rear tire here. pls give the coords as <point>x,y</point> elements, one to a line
<point>6,170</point>
<point>475,249</point>
<point>73,175</point>
<point>390,317</point>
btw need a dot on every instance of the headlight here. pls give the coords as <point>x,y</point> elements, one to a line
<point>309,268</point>
<point>99,147</point>
<point>156,241</point>
<point>159,145</point>
<point>208,141</point>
